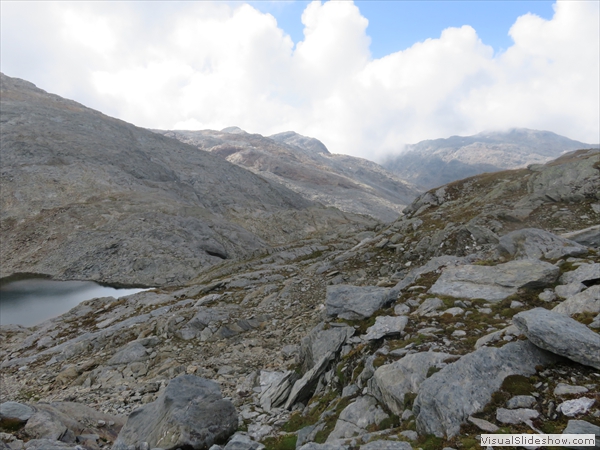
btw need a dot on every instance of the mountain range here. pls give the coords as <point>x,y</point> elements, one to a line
<point>304,165</point>
<point>433,163</point>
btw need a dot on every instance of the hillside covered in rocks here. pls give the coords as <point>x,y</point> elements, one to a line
<point>476,312</point>
<point>305,166</point>
<point>88,197</point>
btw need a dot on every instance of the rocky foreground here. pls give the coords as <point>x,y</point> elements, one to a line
<point>477,312</point>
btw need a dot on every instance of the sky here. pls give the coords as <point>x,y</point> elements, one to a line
<point>364,77</point>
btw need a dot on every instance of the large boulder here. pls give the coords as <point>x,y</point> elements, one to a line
<point>450,396</point>
<point>561,335</point>
<point>391,382</point>
<point>586,301</point>
<point>533,243</point>
<point>357,302</point>
<point>189,413</point>
<point>494,283</point>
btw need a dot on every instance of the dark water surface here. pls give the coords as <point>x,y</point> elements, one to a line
<point>31,301</point>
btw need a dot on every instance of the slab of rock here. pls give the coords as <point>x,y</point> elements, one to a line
<point>275,388</point>
<point>15,412</point>
<point>385,326</point>
<point>571,408</point>
<point>569,290</point>
<point>560,335</point>
<point>494,283</point>
<point>305,386</point>
<point>483,425</point>
<point>450,396</point>
<point>586,301</point>
<point>391,382</point>
<point>565,389</point>
<point>515,416</point>
<point>583,427</point>
<point>357,302</point>
<point>189,413</point>
<point>521,401</point>
<point>584,273</point>
<point>322,341</point>
<point>588,236</point>
<point>356,417</point>
<point>429,307</point>
<point>533,243</point>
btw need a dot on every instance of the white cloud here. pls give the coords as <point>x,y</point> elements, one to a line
<point>213,64</point>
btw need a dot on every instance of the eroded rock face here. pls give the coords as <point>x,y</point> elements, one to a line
<point>561,335</point>
<point>189,413</point>
<point>494,283</point>
<point>460,389</point>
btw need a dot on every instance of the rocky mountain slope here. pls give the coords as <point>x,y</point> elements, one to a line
<point>305,166</point>
<point>433,163</point>
<point>477,312</point>
<point>86,196</point>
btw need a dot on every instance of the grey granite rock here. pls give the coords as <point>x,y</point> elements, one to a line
<point>460,389</point>
<point>572,408</point>
<point>429,307</point>
<point>585,272</point>
<point>494,283</point>
<point>533,243</point>
<point>275,388</point>
<point>516,416</point>
<point>190,412</point>
<point>565,389</point>
<point>241,441</point>
<point>386,445</point>
<point>305,386</point>
<point>582,427</point>
<point>356,418</point>
<point>323,341</point>
<point>589,237</point>
<point>391,382</point>
<point>521,401</point>
<point>10,411</point>
<point>385,326</point>
<point>357,302</point>
<point>585,301</point>
<point>569,290</point>
<point>561,335</point>
<point>483,425</point>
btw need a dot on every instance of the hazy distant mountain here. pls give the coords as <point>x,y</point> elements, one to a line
<point>304,165</point>
<point>86,196</point>
<point>436,162</point>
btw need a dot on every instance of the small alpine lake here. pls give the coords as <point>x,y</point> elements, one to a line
<point>30,301</point>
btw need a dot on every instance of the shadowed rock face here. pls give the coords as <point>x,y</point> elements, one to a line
<point>304,165</point>
<point>86,196</point>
